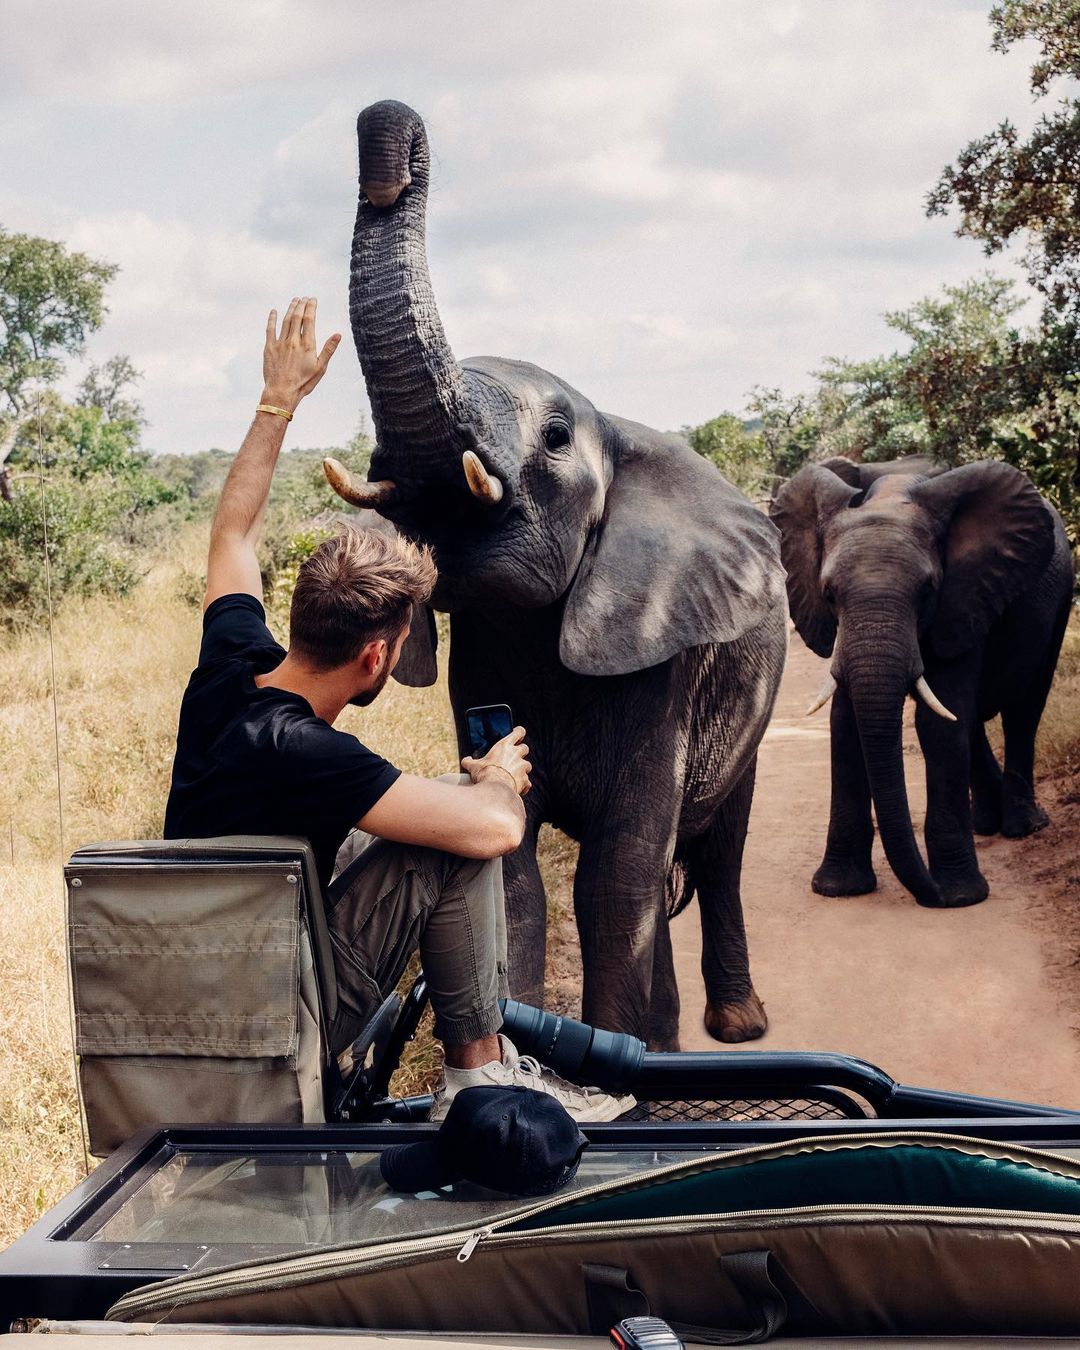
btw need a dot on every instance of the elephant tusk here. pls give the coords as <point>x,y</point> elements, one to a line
<point>483,485</point>
<point>360,494</point>
<point>931,700</point>
<point>827,690</point>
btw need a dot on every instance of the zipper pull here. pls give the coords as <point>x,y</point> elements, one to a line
<point>471,1243</point>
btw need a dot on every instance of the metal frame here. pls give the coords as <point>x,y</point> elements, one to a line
<point>854,1086</point>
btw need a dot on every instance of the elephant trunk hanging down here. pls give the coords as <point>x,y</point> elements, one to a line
<point>953,586</point>
<point>603,580</point>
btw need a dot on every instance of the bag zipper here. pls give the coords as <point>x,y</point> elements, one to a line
<point>379,1256</point>
<point>473,1241</point>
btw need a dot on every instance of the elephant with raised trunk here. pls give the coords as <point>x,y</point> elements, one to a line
<point>607,583</point>
<point>954,586</point>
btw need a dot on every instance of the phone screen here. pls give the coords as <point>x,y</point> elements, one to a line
<point>487,725</point>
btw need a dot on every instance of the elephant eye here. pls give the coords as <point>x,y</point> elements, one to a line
<point>556,434</point>
<point>830,596</point>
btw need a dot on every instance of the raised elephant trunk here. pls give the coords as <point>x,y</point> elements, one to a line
<point>421,410</point>
<point>878,669</point>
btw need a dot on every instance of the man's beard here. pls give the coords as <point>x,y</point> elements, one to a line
<point>370,695</point>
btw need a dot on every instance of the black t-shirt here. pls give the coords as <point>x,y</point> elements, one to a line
<point>258,761</point>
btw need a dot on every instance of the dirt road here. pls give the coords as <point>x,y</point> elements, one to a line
<point>940,998</point>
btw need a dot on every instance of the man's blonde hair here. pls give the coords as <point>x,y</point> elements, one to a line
<point>357,587</point>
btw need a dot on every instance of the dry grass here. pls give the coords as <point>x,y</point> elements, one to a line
<point>121,668</point>
<point>1059,731</point>
<point>40,1147</point>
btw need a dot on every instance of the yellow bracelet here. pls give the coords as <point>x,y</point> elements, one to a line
<point>278,412</point>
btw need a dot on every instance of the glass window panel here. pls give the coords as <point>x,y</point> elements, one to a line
<point>299,1199</point>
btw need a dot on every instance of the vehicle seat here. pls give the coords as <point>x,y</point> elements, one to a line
<point>203,983</point>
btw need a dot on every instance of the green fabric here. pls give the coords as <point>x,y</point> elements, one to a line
<point>903,1175</point>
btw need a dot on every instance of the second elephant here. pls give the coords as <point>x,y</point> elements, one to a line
<point>953,585</point>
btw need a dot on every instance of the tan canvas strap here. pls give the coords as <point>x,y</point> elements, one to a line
<point>610,1297</point>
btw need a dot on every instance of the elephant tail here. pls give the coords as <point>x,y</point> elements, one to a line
<point>679,887</point>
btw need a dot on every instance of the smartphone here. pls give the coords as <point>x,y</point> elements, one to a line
<point>486,725</point>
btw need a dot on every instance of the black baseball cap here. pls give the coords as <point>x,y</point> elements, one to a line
<point>511,1139</point>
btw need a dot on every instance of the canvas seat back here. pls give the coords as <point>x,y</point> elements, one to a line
<point>203,983</point>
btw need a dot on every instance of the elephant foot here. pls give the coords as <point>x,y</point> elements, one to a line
<point>986,817</point>
<point>663,1044</point>
<point>733,1022</point>
<point>1021,817</point>
<point>845,877</point>
<point>956,892</point>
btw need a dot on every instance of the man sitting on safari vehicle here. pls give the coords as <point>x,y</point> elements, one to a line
<point>257,753</point>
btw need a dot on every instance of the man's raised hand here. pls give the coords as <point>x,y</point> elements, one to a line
<point>291,365</point>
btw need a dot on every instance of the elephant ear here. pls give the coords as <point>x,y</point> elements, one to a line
<point>845,469</point>
<point>999,534</point>
<point>416,665</point>
<point>679,558</point>
<point>802,509</point>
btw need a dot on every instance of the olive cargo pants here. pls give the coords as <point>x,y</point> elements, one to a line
<point>386,900</point>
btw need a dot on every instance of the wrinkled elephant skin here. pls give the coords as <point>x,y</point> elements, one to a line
<point>953,586</point>
<point>608,584</point>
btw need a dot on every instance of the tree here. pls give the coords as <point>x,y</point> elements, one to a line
<point>1044,438</point>
<point>790,429</point>
<point>965,370</point>
<point>50,300</point>
<point>736,449</point>
<point>864,411</point>
<point>1007,187</point>
<point>106,387</point>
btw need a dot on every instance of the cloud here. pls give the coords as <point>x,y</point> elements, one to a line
<point>664,203</point>
<point>190,308</point>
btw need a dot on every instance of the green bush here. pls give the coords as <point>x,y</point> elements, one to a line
<point>298,496</point>
<point>97,508</point>
<point>1045,444</point>
<point>736,450</point>
<point>86,552</point>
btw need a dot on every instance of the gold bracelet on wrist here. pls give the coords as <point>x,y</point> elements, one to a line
<point>278,412</point>
<point>513,780</point>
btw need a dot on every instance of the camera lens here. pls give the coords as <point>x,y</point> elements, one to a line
<point>604,1059</point>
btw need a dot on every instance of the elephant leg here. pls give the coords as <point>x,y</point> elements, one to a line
<point>664,994</point>
<point>846,868</point>
<point>526,921</point>
<point>950,840</point>
<point>1021,813</point>
<point>618,923</point>
<point>733,1011</point>
<point>985,782</point>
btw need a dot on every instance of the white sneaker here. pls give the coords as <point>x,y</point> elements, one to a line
<point>514,1070</point>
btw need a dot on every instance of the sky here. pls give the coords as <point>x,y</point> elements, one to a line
<point>664,202</point>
